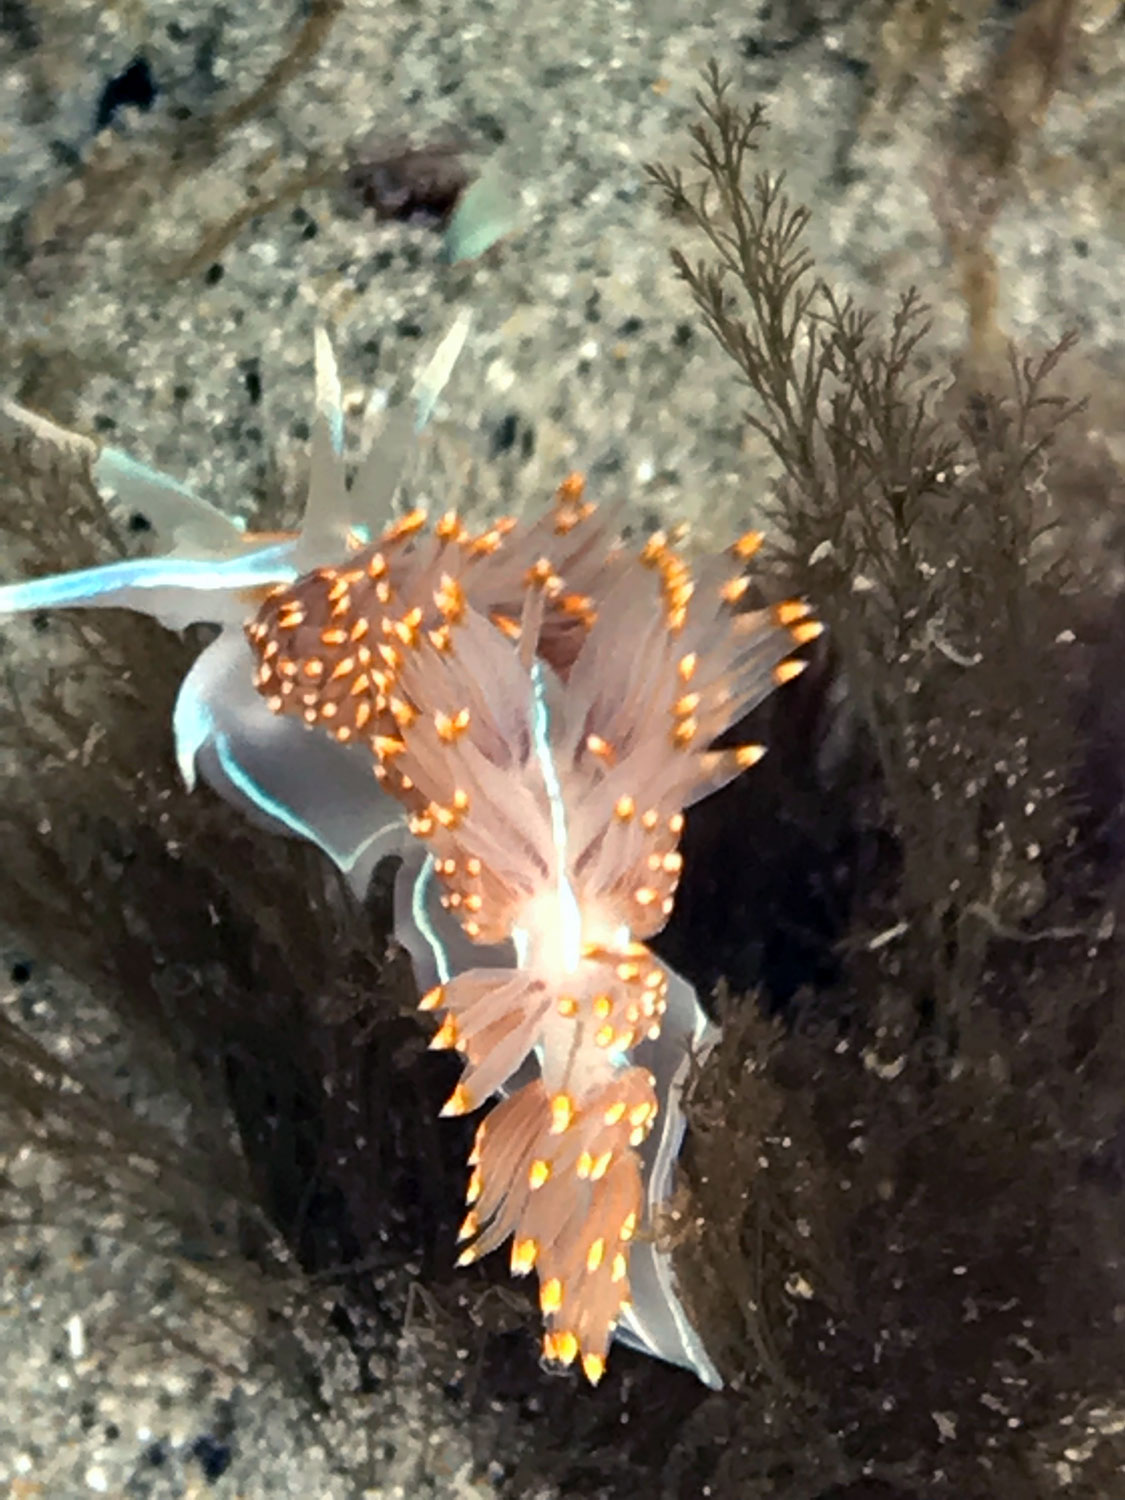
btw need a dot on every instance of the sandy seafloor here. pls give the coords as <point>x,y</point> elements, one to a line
<point>584,353</point>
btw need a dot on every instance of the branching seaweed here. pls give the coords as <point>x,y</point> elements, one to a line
<point>926,537</point>
<point>885,1179</point>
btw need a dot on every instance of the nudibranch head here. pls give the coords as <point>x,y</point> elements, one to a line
<point>336,648</point>
<point>213,571</point>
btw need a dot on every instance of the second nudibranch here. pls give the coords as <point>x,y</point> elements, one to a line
<point>545,712</point>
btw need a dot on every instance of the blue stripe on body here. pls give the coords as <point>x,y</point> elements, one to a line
<point>418,897</point>
<point>245,783</point>
<point>194,575</point>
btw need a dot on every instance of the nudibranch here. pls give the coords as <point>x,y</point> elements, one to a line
<point>213,571</point>
<point>544,705</point>
<point>539,705</point>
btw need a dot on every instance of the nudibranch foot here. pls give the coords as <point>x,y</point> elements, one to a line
<point>281,778</point>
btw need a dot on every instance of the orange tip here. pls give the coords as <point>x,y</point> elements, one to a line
<point>810,630</point>
<point>445,1036</point>
<point>565,1347</point>
<point>458,1102</point>
<point>524,1255</point>
<point>790,611</point>
<point>786,671</point>
<point>538,1173</point>
<point>747,544</point>
<point>748,755</point>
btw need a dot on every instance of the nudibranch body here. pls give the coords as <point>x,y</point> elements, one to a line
<point>539,705</point>
<point>213,571</point>
<point>544,709</point>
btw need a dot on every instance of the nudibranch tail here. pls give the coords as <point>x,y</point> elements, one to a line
<point>657,1323</point>
<point>562,1178</point>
